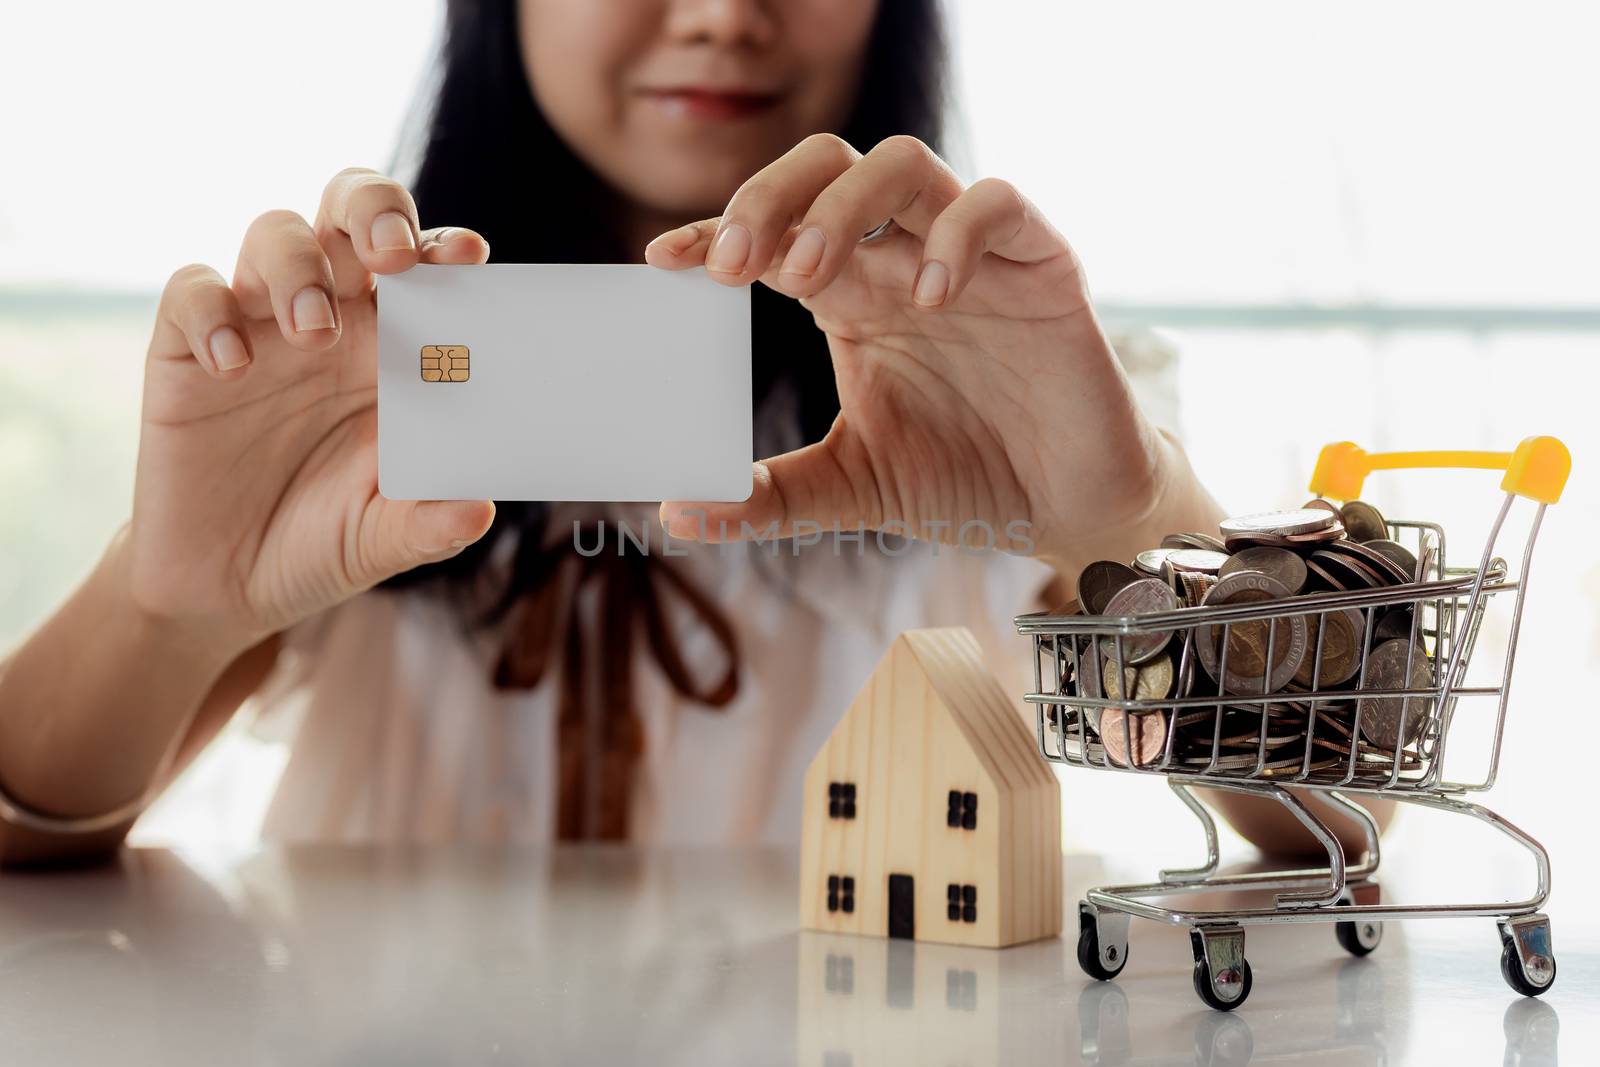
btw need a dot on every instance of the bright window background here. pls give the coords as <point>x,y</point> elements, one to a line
<point>1370,221</point>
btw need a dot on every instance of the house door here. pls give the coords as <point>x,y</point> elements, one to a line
<point>902,906</point>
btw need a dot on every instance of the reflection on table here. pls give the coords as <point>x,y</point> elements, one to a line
<point>613,955</point>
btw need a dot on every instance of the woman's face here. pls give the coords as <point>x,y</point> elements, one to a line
<point>674,103</point>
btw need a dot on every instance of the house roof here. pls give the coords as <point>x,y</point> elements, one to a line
<point>991,723</point>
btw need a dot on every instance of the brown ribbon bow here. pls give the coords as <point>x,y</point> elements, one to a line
<point>633,587</point>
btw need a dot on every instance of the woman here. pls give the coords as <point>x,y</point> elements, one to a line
<point>969,383</point>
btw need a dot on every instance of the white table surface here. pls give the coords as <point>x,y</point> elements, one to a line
<point>360,956</point>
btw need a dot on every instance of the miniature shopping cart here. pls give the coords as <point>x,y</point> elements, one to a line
<point>1447,608</point>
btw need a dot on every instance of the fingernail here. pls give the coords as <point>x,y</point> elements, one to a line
<point>311,310</point>
<point>460,543</point>
<point>730,250</point>
<point>932,283</point>
<point>227,348</point>
<point>805,253</point>
<point>391,232</point>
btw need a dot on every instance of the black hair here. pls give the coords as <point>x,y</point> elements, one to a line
<point>485,144</point>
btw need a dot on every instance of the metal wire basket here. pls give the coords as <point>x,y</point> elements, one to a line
<point>1274,738</point>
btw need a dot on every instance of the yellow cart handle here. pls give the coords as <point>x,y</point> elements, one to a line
<point>1537,470</point>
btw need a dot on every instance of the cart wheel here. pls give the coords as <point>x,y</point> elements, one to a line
<point>1207,987</point>
<point>1221,973</point>
<point>1359,937</point>
<point>1526,958</point>
<point>1089,954</point>
<point>1516,975</point>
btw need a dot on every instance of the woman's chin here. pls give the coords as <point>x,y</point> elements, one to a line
<point>685,185</point>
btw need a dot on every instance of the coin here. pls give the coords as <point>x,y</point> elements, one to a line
<point>1195,586</point>
<point>1191,718</point>
<point>1174,578</point>
<point>1241,541</point>
<point>1251,738</point>
<point>1149,681</point>
<point>1392,722</point>
<point>1191,680</point>
<point>1087,674</point>
<point>1394,625</point>
<point>1397,554</point>
<point>1325,505</point>
<point>1242,762</point>
<point>1343,631</point>
<point>1283,523</point>
<point>1328,533</point>
<point>1426,563</point>
<point>1200,560</point>
<point>1063,654</point>
<point>1352,572</point>
<point>1386,568</point>
<point>1375,759</point>
<point>1363,521</point>
<point>1293,768</point>
<point>1149,561</point>
<point>1087,683</point>
<point>1192,540</point>
<point>1247,641</point>
<point>1099,581</point>
<point>1340,725</point>
<point>1319,577</point>
<point>1147,731</point>
<point>1279,563</point>
<point>1325,699</point>
<point>1141,597</point>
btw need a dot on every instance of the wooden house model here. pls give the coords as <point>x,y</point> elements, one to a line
<point>929,813</point>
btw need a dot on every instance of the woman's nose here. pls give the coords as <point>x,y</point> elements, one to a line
<point>722,21</point>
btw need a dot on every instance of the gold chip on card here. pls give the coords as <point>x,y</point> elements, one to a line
<point>445,363</point>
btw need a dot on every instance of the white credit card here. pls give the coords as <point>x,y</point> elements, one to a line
<point>557,381</point>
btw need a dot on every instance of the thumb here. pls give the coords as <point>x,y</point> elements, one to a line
<point>810,488</point>
<point>415,532</point>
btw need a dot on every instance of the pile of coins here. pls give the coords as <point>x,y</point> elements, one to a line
<point>1260,558</point>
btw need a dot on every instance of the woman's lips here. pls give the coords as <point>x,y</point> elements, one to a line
<point>711,103</point>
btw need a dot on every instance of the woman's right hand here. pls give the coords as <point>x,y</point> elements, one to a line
<point>256,499</point>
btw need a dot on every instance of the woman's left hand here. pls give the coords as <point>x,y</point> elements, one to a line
<point>975,383</point>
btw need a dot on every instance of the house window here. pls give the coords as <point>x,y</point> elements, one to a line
<point>841,800</point>
<point>962,813</point>
<point>841,893</point>
<point>961,903</point>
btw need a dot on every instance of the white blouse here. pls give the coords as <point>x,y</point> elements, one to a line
<point>397,733</point>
